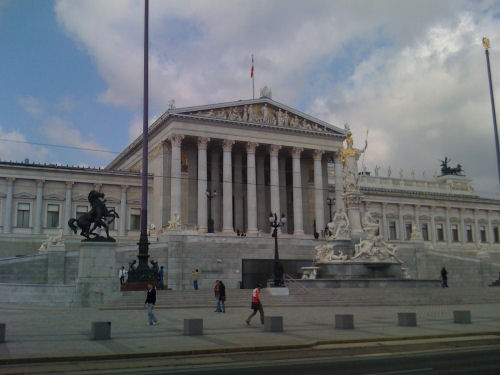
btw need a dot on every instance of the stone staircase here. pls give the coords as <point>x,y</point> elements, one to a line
<point>300,296</point>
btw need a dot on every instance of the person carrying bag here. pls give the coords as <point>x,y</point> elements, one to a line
<point>256,305</point>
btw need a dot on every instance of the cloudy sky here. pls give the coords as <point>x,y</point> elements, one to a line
<point>412,72</point>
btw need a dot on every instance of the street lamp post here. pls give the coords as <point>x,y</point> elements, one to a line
<point>210,220</point>
<point>330,202</point>
<point>486,45</point>
<point>277,268</point>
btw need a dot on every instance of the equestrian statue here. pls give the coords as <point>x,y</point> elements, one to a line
<point>99,216</point>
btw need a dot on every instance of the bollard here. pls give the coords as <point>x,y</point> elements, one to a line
<point>407,319</point>
<point>100,330</point>
<point>273,324</point>
<point>2,332</point>
<point>344,321</point>
<point>461,317</point>
<point>193,327</point>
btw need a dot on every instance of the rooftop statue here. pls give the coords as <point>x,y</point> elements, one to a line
<point>446,170</point>
<point>99,216</point>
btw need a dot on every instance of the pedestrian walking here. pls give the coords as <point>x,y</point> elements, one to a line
<point>122,274</point>
<point>221,305</point>
<point>217,295</point>
<point>444,278</point>
<point>195,278</point>
<point>150,304</point>
<point>256,305</point>
<point>161,273</point>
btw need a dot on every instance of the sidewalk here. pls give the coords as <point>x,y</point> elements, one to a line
<point>34,334</point>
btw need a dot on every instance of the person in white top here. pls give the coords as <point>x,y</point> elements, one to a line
<point>122,274</point>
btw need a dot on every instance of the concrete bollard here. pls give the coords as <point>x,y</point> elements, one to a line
<point>344,321</point>
<point>461,317</point>
<point>100,331</point>
<point>407,319</point>
<point>2,332</point>
<point>193,327</point>
<point>273,324</point>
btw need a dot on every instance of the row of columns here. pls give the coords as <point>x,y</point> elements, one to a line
<point>384,228</point>
<point>68,202</point>
<point>253,180</point>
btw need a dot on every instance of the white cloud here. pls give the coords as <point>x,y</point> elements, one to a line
<point>411,72</point>
<point>13,147</point>
<point>31,105</point>
<point>65,105</point>
<point>59,131</point>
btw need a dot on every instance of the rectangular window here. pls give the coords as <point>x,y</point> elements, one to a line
<point>496,235</point>
<point>454,233</point>
<point>52,215</point>
<point>135,218</point>
<point>439,232</point>
<point>23,215</point>
<point>80,210</point>
<point>408,230</point>
<point>112,224</point>
<point>468,229</point>
<point>425,232</point>
<point>482,231</point>
<point>392,230</point>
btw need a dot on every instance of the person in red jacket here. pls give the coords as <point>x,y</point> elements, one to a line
<point>256,305</point>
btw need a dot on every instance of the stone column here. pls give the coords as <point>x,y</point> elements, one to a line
<point>402,229</point>
<point>319,204</point>
<point>37,222</point>
<point>227,187</point>
<point>339,182</point>
<point>176,192</point>
<point>202,184</point>
<point>283,196</point>
<point>215,185</point>
<point>7,228</point>
<point>67,206</point>
<point>262,215</point>
<point>251,189</point>
<point>490,235</point>
<point>476,226</point>
<point>448,228</point>
<point>463,235</point>
<point>433,225</point>
<point>123,211</point>
<point>238,190</point>
<point>298,221</point>
<point>275,189</point>
<point>417,214</point>
<point>385,231</point>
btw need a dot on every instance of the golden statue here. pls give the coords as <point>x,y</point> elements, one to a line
<point>486,43</point>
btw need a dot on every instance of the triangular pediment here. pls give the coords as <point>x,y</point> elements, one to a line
<point>263,111</point>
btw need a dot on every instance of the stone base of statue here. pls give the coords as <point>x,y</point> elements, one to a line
<point>349,270</point>
<point>99,239</point>
<point>97,274</point>
<point>353,203</point>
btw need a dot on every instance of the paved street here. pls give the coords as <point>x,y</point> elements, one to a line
<point>41,333</point>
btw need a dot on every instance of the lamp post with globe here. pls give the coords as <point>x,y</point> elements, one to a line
<point>277,268</point>
<point>210,195</point>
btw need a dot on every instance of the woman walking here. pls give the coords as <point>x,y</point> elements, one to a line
<point>256,305</point>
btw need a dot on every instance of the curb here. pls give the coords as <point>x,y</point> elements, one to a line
<point>239,349</point>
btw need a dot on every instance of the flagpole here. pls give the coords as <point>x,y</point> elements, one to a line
<point>253,85</point>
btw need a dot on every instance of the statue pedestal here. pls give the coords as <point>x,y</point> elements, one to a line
<point>353,204</point>
<point>97,280</point>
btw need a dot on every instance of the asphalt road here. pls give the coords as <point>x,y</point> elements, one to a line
<point>484,360</point>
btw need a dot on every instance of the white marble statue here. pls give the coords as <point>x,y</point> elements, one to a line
<point>309,273</point>
<point>416,233</point>
<point>44,245</point>
<point>252,117</point>
<point>350,156</point>
<point>370,224</point>
<point>325,254</point>
<point>175,223</point>
<point>286,119</point>
<point>375,249</point>
<point>266,92</point>
<point>389,172</point>
<point>152,230</point>
<point>377,168</point>
<point>401,173</point>
<point>244,117</point>
<point>340,227</point>
<point>264,112</point>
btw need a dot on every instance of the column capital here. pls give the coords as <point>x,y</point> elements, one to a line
<point>318,154</point>
<point>69,184</point>
<point>296,152</point>
<point>203,142</point>
<point>166,146</point>
<point>227,145</point>
<point>251,146</point>
<point>176,139</point>
<point>274,150</point>
<point>40,182</point>
<point>124,188</point>
<point>10,181</point>
<point>384,204</point>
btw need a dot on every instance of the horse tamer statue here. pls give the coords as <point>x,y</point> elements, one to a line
<point>98,217</point>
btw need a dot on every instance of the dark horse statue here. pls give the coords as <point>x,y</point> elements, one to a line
<point>447,170</point>
<point>98,217</point>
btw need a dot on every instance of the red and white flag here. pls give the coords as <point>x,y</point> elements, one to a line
<point>251,71</point>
